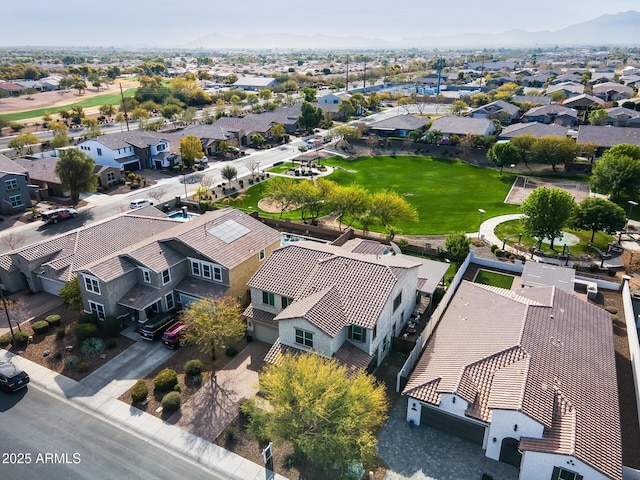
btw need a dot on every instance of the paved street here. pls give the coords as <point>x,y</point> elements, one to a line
<point>35,423</point>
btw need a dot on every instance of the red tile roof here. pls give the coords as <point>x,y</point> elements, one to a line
<point>539,350</point>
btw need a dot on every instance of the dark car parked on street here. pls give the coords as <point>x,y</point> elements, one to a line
<point>12,378</point>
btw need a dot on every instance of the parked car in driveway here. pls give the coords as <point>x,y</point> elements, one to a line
<point>12,378</point>
<point>140,202</point>
<point>155,327</point>
<point>174,336</point>
<point>54,216</point>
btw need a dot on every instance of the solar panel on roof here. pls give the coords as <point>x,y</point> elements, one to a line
<point>229,231</point>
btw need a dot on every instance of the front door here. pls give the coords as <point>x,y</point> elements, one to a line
<point>509,452</point>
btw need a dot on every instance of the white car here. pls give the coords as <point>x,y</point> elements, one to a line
<point>140,202</point>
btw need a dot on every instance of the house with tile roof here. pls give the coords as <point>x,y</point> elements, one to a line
<point>14,193</point>
<point>42,172</point>
<point>143,262</point>
<point>530,375</point>
<point>463,126</point>
<point>398,126</point>
<point>498,109</point>
<point>134,150</point>
<point>613,91</point>
<point>553,113</point>
<point>606,136</point>
<point>570,89</point>
<point>344,302</point>
<point>536,129</point>
<point>623,117</point>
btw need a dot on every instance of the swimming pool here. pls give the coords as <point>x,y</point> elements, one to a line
<point>181,216</point>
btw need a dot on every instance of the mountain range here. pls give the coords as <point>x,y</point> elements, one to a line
<point>617,29</point>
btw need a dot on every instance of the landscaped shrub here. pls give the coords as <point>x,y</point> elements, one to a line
<point>89,318</point>
<point>231,351</point>
<point>139,391</point>
<point>165,380</point>
<point>494,247</point>
<point>21,339</point>
<point>86,330</point>
<point>177,388</point>
<point>53,320</point>
<point>5,340</point>
<point>193,367</point>
<point>110,344</point>
<point>171,401</point>
<point>40,326</point>
<point>57,356</point>
<point>230,435</point>
<point>92,345</point>
<point>71,362</point>
<point>82,367</point>
<point>197,380</point>
<point>60,333</point>
<point>111,326</point>
<point>611,310</point>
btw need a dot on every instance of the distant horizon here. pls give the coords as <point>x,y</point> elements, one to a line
<point>131,24</point>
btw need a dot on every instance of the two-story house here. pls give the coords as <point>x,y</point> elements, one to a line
<point>13,186</point>
<point>309,296</point>
<point>210,256</point>
<point>142,261</point>
<point>135,150</point>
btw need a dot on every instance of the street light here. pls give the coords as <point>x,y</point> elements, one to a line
<point>482,212</point>
<point>631,205</point>
<point>184,180</point>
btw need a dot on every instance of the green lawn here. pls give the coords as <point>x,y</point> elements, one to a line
<point>447,193</point>
<point>113,98</point>
<point>494,279</point>
<point>600,240</point>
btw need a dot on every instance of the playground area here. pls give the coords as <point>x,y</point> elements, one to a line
<point>523,186</point>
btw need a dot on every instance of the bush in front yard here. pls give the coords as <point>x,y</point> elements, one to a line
<point>70,362</point>
<point>86,330</point>
<point>89,318</point>
<point>5,340</point>
<point>60,333</point>
<point>171,401</point>
<point>231,352</point>
<point>92,345</point>
<point>111,326</point>
<point>53,320</point>
<point>165,380</point>
<point>193,367</point>
<point>40,327</point>
<point>139,391</point>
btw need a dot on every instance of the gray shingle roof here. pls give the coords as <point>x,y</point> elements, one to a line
<point>137,138</point>
<point>533,128</point>
<point>9,166</point>
<point>608,136</point>
<point>400,122</point>
<point>463,125</point>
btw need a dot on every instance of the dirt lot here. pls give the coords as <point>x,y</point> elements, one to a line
<point>57,347</point>
<point>58,97</point>
<point>523,186</point>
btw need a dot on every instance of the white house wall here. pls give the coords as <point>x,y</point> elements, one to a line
<point>539,466</point>
<point>502,426</point>
<point>322,343</point>
<point>108,157</point>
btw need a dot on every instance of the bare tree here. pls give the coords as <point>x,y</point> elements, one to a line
<point>252,164</point>
<point>13,240</point>
<point>157,193</point>
<point>206,181</point>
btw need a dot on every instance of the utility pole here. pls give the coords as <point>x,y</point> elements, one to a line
<point>124,108</point>
<point>347,87</point>
<point>6,311</point>
<point>365,73</point>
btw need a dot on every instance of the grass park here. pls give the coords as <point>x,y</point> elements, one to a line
<point>446,193</point>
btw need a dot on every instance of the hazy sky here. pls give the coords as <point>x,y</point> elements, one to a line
<point>175,22</point>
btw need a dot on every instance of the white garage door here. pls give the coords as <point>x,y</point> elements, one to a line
<point>265,333</point>
<point>50,286</point>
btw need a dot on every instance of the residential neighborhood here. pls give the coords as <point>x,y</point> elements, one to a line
<point>383,262</point>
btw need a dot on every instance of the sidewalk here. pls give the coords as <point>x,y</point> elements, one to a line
<point>155,430</point>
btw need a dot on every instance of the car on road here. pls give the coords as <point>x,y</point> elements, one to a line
<point>174,336</point>
<point>140,202</point>
<point>54,216</point>
<point>12,378</point>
